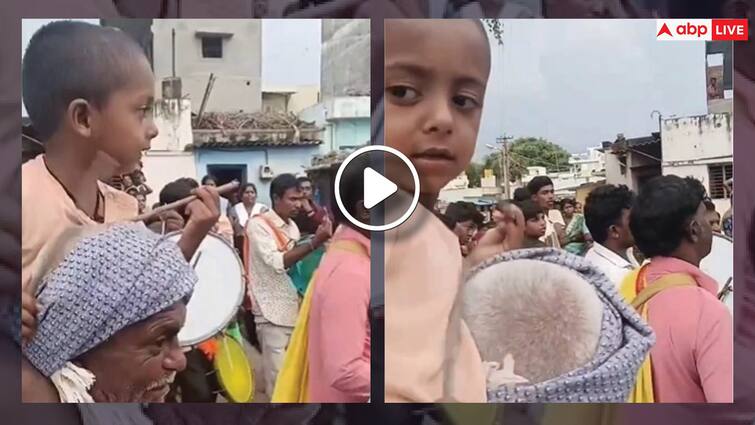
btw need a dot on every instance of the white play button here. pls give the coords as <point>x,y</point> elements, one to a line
<point>376,188</point>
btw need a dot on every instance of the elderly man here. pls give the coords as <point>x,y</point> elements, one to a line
<point>109,316</point>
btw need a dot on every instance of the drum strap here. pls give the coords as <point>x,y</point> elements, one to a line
<point>353,247</point>
<point>671,280</point>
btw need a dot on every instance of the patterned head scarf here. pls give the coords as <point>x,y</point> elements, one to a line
<point>109,281</point>
<point>609,371</point>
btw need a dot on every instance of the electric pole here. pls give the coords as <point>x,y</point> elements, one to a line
<point>504,163</point>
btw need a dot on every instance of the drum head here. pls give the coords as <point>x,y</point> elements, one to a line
<point>233,370</point>
<point>218,293</point>
<point>719,264</point>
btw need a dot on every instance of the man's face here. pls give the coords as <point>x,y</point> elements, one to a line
<point>545,197</point>
<point>436,73</point>
<point>704,240</point>
<point>714,220</point>
<point>289,204</point>
<point>139,362</point>
<point>124,126</point>
<point>625,237</point>
<point>306,189</point>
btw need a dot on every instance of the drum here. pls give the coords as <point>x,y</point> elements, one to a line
<point>719,264</point>
<point>233,371</point>
<point>218,293</point>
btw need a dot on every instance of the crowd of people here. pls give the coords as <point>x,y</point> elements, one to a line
<point>635,242</point>
<point>105,291</point>
<point>548,301</point>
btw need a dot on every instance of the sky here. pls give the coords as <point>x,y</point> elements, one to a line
<point>580,82</point>
<point>290,50</point>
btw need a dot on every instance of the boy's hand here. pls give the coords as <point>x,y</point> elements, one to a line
<point>508,235</point>
<point>29,311</point>
<point>203,213</point>
<point>172,221</point>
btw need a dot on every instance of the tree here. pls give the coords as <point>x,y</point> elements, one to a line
<point>530,152</point>
<point>474,174</point>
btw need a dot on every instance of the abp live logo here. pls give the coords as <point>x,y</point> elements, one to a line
<point>701,29</point>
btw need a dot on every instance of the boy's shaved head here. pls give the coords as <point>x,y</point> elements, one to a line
<point>66,60</point>
<point>436,74</point>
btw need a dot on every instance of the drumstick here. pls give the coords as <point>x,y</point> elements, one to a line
<point>183,202</point>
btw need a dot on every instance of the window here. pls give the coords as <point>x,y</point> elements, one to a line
<point>212,47</point>
<point>718,174</point>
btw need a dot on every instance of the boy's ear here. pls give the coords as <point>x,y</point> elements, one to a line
<point>79,117</point>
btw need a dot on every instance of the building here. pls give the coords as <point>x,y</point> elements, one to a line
<point>701,147</point>
<point>345,66</point>
<point>344,107</point>
<point>229,49</point>
<point>585,170</point>
<point>253,147</point>
<point>589,163</point>
<point>289,99</point>
<point>633,161</point>
<point>458,189</point>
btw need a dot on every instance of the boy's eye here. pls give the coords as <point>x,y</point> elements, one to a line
<point>465,102</point>
<point>146,110</point>
<point>403,93</point>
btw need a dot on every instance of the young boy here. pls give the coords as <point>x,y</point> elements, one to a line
<point>436,73</point>
<point>534,227</point>
<point>89,92</point>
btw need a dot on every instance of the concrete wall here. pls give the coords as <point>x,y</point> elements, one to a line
<point>690,144</point>
<point>173,120</point>
<point>281,160</point>
<point>161,168</point>
<point>695,139</point>
<point>274,102</point>
<point>238,72</point>
<point>345,66</point>
<point>346,121</point>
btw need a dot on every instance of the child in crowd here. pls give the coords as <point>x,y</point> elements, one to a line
<point>436,73</point>
<point>93,128</point>
<point>534,227</point>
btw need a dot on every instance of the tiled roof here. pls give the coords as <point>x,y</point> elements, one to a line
<point>254,138</point>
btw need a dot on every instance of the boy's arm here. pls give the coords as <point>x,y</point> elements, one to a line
<point>203,213</point>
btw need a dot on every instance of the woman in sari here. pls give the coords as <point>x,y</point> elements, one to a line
<point>577,236</point>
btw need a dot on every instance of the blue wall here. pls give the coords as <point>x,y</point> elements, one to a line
<point>281,160</point>
<point>351,132</point>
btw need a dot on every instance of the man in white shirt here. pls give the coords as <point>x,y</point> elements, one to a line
<point>607,215</point>
<point>273,250</point>
<point>542,193</point>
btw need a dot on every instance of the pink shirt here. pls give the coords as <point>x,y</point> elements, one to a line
<point>692,357</point>
<point>339,327</point>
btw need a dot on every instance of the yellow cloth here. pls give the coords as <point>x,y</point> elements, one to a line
<point>292,384</point>
<point>643,387</point>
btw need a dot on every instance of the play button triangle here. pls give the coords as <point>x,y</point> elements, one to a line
<point>376,188</point>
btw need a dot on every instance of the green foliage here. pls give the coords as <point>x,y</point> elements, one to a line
<point>530,152</point>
